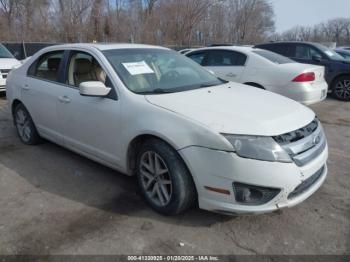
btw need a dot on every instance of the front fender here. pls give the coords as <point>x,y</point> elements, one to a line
<point>178,131</point>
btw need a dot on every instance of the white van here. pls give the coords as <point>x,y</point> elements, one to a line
<point>7,62</point>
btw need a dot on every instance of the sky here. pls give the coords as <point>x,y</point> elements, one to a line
<point>290,13</point>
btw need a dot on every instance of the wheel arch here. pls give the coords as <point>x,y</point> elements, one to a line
<point>135,144</point>
<point>14,104</point>
<point>335,78</point>
<point>132,151</point>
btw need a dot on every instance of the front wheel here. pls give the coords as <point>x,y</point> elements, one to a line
<point>341,88</point>
<point>163,178</point>
<point>25,126</point>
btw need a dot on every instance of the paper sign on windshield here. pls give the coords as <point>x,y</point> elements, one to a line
<point>138,68</point>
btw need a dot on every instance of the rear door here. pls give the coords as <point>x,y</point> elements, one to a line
<point>226,64</point>
<point>42,90</point>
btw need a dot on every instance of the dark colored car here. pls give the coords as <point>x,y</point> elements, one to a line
<point>337,71</point>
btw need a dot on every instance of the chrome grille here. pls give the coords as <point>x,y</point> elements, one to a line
<point>304,144</point>
<point>297,134</point>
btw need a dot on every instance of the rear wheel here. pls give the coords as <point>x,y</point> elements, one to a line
<point>163,178</point>
<point>341,88</point>
<point>25,126</point>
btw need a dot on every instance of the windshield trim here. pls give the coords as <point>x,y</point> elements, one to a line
<point>181,89</point>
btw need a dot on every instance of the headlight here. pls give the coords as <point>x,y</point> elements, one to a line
<point>258,147</point>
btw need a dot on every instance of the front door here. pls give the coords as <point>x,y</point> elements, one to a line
<point>91,124</point>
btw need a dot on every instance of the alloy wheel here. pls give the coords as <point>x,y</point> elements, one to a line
<point>342,89</point>
<point>155,178</point>
<point>23,125</point>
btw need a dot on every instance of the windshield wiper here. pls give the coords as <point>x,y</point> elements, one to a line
<point>157,91</point>
<point>213,84</point>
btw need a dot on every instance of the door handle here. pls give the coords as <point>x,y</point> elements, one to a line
<point>231,75</point>
<point>64,99</point>
<point>25,87</point>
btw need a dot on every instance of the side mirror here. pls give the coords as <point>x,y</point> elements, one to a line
<point>317,58</point>
<point>94,88</point>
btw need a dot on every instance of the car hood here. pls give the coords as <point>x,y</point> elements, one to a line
<point>237,109</point>
<point>9,63</point>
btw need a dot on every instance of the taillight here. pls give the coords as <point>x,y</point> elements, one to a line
<point>305,77</point>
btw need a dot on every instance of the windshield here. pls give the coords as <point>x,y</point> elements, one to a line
<point>273,57</point>
<point>4,53</point>
<point>344,53</point>
<point>156,71</point>
<point>329,52</point>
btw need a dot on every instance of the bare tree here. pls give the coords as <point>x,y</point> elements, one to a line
<point>166,22</point>
<point>335,30</point>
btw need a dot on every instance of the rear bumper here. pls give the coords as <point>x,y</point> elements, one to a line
<point>305,93</point>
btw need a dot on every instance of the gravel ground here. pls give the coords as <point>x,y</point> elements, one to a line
<point>53,201</point>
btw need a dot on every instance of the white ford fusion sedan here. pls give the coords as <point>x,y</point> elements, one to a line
<point>266,70</point>
<point>188,136</point>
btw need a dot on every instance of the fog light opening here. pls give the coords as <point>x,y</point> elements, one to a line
<point>253,195</point>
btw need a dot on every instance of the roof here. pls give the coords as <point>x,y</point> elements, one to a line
<point>234,48</point>
<point>286,42</point>
<point>107,46</point>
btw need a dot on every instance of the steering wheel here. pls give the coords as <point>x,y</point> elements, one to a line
<point>171,75</point>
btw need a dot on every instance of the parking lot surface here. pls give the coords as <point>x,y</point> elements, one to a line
<point>53,201</point>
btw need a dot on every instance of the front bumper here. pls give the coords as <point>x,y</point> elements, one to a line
<point>305,93</point>
<point>218,169</point>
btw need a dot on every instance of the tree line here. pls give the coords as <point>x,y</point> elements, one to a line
<point>162,22</point>
<point>335,30</point>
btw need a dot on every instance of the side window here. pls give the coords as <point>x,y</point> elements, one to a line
<point>281,49</point>
<point>226,58</point>
<point>198,57</point>
<point>314,52</point>
<point>239,58</point>
<point>83,67</point>
<point>47,66</point>
<point>305,52</point>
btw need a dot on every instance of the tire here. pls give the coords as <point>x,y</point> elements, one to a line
<point>341,88</point>
<point>171,190</point>
<point>26,129</point>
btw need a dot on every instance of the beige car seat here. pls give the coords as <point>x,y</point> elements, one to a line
<point>83,71</point>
